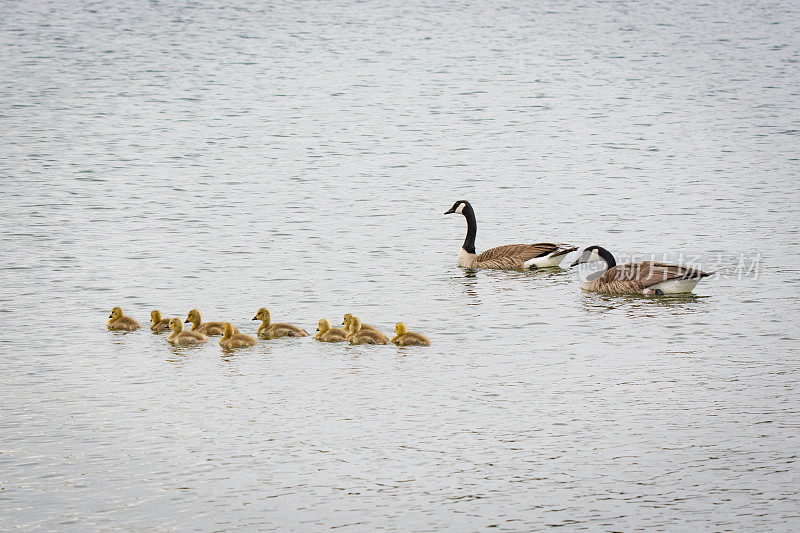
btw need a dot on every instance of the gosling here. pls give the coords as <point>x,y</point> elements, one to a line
<point>207,328</point>
<point>159,324</point>
<point>274,331</point>
<point>180,337</point>
<point>231,339</point>
<point>326,333</point>
<point>120,322</point>
<point>348,326</point>
<point>404,337</point>
<point>359,336</point>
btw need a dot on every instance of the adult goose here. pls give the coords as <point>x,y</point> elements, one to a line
<point>510,256</point>
<point>645,277</point>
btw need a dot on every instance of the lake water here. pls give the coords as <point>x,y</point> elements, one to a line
<point>299,156</point>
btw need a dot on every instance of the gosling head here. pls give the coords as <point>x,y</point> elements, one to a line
<point>323,325</point>
<point>400,328</point>
<point>227,330</point>
<point>347,318</point>
<point>460,207</point>
<point>116,313</point>
<point>176,325</point>
<point>155,316</point>
<point>262,314</point>
<point>193,317</point>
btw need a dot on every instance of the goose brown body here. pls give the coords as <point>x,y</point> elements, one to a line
<point>206,328</point>
<point>645,277</point>
<point>269,330</point>
<point>158,324</point>
<point>119,322</point>
<point>403,337</point>
<point>509,256</point>
<point>326,333</point>
<point>180,337</point>
<point>230,339</point>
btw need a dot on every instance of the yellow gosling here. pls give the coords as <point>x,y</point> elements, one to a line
<point>119,322</point>
<point>180,337</point>
<point>207,328</point>
<point>404,337</point>
<point>273,331</point>
<point>348,325</point>
<point>230,339</point>
<point>359,336</point>
<point>326,333</point>
<point>159,324</point>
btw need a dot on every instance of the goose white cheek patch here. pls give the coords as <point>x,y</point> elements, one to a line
<point>459,209</point>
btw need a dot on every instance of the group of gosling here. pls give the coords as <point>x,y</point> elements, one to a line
<point>353,330</point>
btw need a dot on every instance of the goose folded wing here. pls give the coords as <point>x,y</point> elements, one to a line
<point>648,273</point>
<point>520,252</point>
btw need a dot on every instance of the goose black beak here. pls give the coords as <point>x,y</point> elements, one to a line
<point>576,262</point>
<point>449,211</point>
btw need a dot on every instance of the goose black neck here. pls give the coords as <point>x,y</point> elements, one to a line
<point>472,228</point>
<point>607,257</point>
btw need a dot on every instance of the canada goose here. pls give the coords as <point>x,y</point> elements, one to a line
<point>207,328</point>
<point>404,337</point>
<point>120,322</point>
<point>326,333</point>
<point>273,331</point>
<point>510,256</point>
<point>348,325</point>
<point>231,339</point>
<point>359,336</point>
<point>159,324</point>
<point>181,337</point>
<point>646,277</point>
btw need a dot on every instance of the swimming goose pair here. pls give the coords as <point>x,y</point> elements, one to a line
<point>646,277</point>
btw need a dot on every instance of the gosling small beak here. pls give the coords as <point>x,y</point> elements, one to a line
<point>255,318</point>
<point>317,329</point>
<point>110,316</point>
<point>186,321</point>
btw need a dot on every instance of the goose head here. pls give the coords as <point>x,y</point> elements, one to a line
<point>176,325</point>
<point>592,254</point>
<point>193,317</point>
<point>155,316</point>
<point>115,313</point>
<point>263,314</point>
<point>459,207</point>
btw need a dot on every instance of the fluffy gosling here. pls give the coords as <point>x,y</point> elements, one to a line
<point>403,337</point>
<point>326,333</point>
<point>230,339</point>
<point>119,322</point>
<point>359,336</point>
<point>273,331</point>
<point>180,337</point>
<point>159,324</point>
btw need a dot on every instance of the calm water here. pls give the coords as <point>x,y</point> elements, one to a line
<point>299,155</point>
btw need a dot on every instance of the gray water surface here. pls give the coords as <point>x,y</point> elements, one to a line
<point>299,155</point>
